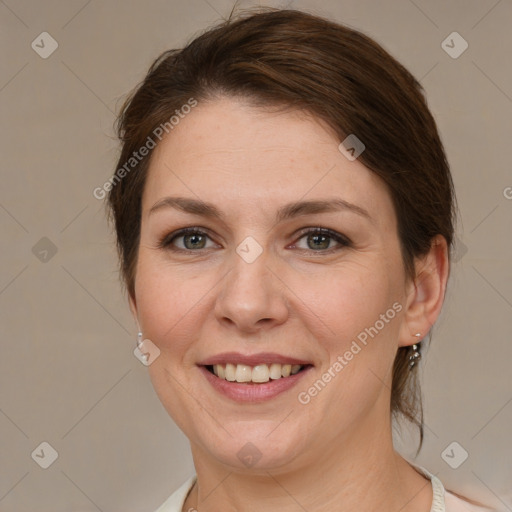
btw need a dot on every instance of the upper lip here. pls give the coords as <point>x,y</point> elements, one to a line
<point>252,359</point>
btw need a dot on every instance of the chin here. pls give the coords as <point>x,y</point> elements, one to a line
<point>256,448</point>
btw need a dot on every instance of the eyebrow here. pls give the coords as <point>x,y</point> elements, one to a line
<point>288,211</point>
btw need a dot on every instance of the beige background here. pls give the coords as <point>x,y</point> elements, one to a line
<point>68,375</point>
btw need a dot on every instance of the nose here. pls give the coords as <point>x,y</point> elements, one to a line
<point>252,297</point>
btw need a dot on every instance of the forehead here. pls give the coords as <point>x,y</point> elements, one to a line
<point>230,153</point>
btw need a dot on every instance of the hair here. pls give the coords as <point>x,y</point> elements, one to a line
<point>295,60</point>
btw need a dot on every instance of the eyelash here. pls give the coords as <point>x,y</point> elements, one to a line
<point>166,241</point>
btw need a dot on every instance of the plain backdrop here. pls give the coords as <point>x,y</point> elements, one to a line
<point>68,375</point>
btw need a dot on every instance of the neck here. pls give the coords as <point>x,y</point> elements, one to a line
<point>360,472</point>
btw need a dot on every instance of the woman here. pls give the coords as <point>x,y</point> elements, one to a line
<point>284,214</point>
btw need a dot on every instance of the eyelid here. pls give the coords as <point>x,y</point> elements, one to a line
<point>342,240</point>
<point>166,241</point>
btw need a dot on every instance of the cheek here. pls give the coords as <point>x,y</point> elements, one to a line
<point>168,304</point>
<point>175,304</point>
<point>354,297</point>
<point>363,313</point>
<point>166,298</point>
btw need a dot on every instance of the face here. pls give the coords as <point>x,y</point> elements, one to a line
<point>295,266</point>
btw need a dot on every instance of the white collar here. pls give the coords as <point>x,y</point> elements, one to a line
<point>176,501</point>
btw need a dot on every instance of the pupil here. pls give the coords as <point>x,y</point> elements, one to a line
<point>194,239</point>
<point>323,238</point>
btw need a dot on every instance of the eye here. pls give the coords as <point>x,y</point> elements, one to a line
<point>192,238</point>
<point>320,239</point>
<point>317,240</point>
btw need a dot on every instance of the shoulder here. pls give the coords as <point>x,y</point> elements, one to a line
<point>456,503</point>
<point>445,500</point>
<point>175,502</point>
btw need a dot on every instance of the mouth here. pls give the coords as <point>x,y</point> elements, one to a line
<point>255,378</point>
<point>258,374</point>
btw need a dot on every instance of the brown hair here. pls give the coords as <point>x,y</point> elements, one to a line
<point>295,60</point>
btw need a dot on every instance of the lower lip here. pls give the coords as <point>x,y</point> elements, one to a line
<point>251,392</point>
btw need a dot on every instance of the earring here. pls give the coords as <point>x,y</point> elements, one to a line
<point>416,354</point>
<point>139,339</point>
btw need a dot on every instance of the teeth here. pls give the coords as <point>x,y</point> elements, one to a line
<point>295,368</point>
<point>259,373</point>
<point>230,372</point>
<point>275,371</point>
<point>243,373</point>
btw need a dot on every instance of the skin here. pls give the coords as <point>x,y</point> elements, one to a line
<point>336,452</point>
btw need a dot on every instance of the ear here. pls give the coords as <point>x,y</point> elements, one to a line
<point>425,294</point>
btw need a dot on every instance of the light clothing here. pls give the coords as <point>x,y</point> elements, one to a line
<point>443,501</point>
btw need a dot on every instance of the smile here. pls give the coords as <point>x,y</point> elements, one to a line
<point>259,373</point>
<point>253,378</point>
